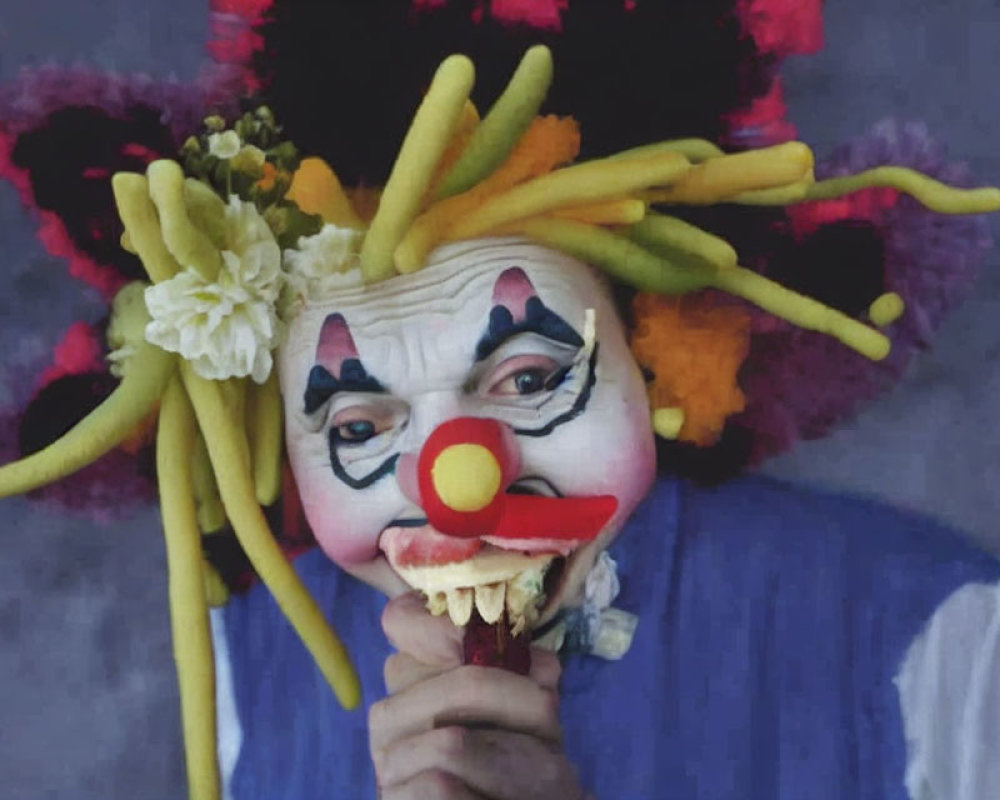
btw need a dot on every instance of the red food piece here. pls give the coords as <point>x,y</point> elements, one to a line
<point>487,645</point>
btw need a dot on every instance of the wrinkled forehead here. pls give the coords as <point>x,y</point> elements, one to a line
<point>456,291</point>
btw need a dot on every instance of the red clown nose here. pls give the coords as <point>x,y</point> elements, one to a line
<point>463,473</point>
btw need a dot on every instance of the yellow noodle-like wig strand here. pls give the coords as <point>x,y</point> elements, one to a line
<point>694,150</point>
<point>718,178</point>
<point>418,158</point>
<point>189,245</point>
<point>504,123</point>
<point>189,623</point>
<point>228,449</point>
<point>620,257</point>
<point>204,205</point>
<point>933,194</point>
<point>802,311</point>
<point>621,211</point>
<point>548,142</point>
<point>589,182</point>
<point>142,225</point>
<point>674,238</point>
<point>211,514</point>
<point>102,429</point>
<point>467,123</point>
<point>264,431</point>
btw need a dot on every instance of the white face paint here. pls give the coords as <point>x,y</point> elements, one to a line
<point>370,373</point>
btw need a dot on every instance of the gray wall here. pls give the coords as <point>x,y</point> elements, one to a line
<point>87,697</point>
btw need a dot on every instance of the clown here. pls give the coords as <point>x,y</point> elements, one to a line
<point>493,329</point>
<point>475,295</point>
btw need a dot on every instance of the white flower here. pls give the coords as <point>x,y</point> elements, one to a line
<point>324,263</point>
<point>331,250</point>
<point>226,328</point>
<point>224,145</point>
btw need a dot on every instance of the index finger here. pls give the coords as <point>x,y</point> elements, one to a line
<point>412,629</point>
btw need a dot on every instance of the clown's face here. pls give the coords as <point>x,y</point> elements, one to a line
<point>492,329</point>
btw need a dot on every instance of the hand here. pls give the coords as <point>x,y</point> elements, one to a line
<point>451,731</point>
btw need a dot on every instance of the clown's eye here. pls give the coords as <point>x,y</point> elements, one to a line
<point>357,431</point>
<point>524,376</point>
<point>358,424</point>
<point>529,381</point>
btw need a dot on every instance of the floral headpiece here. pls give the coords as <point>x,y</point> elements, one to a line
<point>243,230</point>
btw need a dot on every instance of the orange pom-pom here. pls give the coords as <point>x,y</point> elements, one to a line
<point>694,345</point>
<point>316,189</point>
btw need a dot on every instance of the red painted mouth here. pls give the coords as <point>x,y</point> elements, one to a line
<point>423,546</point>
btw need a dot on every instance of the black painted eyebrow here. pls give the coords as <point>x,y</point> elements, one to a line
<point>538,319</point>
<point>321,385</point>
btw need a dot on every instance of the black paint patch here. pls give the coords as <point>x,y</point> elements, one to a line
<point>537,319</point>
<point>321,385</point>
<point>385,468</point>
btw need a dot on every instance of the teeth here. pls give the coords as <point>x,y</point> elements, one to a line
<point>437,603</point>
<point>489,601</point>
<point>460,605</point>
<point>520,592</point>
<point>519,600</point>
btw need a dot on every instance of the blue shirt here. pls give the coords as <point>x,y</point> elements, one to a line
<point>772,624</point>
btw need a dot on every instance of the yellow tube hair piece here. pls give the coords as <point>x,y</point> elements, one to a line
<point>667,422</point>
<point>590,182</point>
<point>886,309</point>
<point>228,449</point>
<point>623,211</point>
<point>467,123</point>
<point>190,246</point>
<point>415,165</point>
<point>126,244</point>
<point>718,178</point>
<point>548,142</point>
<point>504,123</point>
<point>211,514</point>
<point>102,429</point>
<point>621,258</point>
<point>316,189</point>
<point>216,591</point>
<point>694,150</point>
<point>207,207</point>
<point>802,311</point>
<point>189,622</point>
<point>676,239</point>
<point>142,225</point>
<point>778,196</point>
<point>933,194</point>
<point>264,416</point>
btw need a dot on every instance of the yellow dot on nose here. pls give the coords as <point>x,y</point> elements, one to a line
<point>466,477</point>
